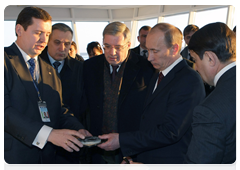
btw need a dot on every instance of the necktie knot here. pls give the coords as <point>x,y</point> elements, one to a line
<point>32,68</point>
<point>145,53</point>
<point>32,62</point>
<point>160,77</point>
<point>56,64</point>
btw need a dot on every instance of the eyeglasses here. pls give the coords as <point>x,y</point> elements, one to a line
<point>107,47</point>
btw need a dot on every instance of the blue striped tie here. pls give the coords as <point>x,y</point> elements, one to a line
<point>32,68</point>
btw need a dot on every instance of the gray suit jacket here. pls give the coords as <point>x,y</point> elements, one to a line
<point>214,125</point>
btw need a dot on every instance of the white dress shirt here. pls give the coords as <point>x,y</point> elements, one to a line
<point>42,136</point>
<point>53,61</point>
<point>167,70</point>
<point>221,72</point>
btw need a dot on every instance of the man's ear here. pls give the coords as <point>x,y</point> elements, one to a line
<point>211,57</point>
<point>138,38</point>
<point>129,44</point>
<point>19,30</point>
<point>175,49</point>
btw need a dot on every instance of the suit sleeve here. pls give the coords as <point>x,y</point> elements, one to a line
<point>18,125</point>
<point>208,143</point>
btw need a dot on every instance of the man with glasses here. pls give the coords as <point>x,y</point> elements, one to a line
<point>174,90</point>
<point>115,85</point>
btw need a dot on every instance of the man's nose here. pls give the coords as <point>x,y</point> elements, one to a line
<point>112,51</point>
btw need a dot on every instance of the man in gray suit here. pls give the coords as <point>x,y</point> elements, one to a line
<point>213,49</point>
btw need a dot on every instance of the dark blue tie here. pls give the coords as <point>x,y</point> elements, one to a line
<point>56,64</point>
<point>145,53</point>
<point>32,68</point>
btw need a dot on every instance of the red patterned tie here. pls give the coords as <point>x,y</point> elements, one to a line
<point>160,77</point>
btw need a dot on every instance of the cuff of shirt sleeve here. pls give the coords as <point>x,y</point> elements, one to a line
<point>42,136</point>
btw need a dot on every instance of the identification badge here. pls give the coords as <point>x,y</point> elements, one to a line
<point>43,111</point>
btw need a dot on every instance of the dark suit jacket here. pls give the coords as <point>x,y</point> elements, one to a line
<point>136,50</point>
<point>22,119</point>
<point>184,53</point>
<point>79,58</point>
<point>214,125</point>
<point>72,82</point>
<point>165,128</point>
<point>136,78</point>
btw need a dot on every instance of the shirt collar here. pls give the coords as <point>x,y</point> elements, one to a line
<point>26,57</point>
<point>141,49</point>
<point>221,72</point>
<point>169,68</point>
<point>52,60</point>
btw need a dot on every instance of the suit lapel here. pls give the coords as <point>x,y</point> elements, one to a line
<point>98,70</point>
<point>165,81</point>
<point>129,76</point>
<point>151,86</point>
<point>47,74</point>
<point>21,68</point>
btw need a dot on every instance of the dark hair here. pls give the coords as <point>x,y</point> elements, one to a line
<point>235,28</point>
<point>172,34</point>
<point>93,45</point>
<point>26,15</point>
<point>215,37</point>
<point>145,27</point>
<point>74,45</point>
<point>189,29</point>
<point>62,27</point>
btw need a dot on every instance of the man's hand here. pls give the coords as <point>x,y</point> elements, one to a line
<point>112,142</point>
<point>65,138</point>
<point>84,132</point>
<point>136,166</point>
<point>127,160</point>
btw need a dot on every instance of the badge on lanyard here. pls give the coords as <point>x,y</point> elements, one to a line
<point>43,111</point>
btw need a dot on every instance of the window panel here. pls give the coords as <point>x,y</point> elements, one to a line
<point>9,33</point>
<point>209,16</point>
<point>88,32</point>
<point>234,18</point>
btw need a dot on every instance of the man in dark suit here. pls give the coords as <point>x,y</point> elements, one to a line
<point>70,72</point>
<point>141,49</point>
<point>213,49</point>
<point>32,87</point>
<point>175,89</point>
<point>115,103</point>
<point>187,34</point>
<point>185,53</point>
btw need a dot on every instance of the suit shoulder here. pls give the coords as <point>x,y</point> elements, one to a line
<point>9,50</point>
<point>136,49</point>
<point>94,60</point>
<point>75,62</point>
<point>45,63</point>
